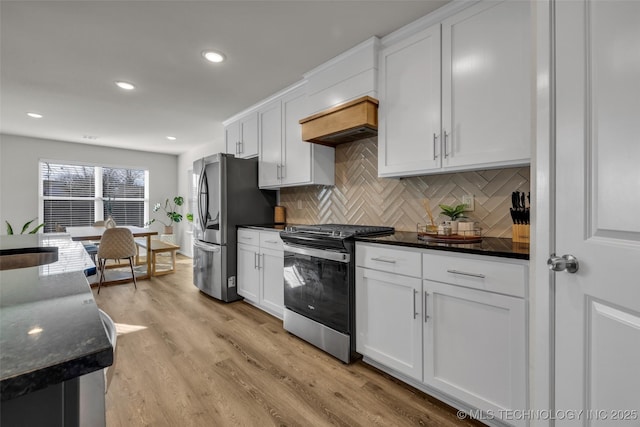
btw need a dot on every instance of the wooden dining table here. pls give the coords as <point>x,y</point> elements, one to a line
<point>95,233</point>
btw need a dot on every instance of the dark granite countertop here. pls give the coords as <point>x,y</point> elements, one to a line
<point>491,246</point>
<point>50,329</point>
<point>267,227</point>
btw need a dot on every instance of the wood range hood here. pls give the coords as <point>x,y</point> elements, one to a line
<point>347,122</point>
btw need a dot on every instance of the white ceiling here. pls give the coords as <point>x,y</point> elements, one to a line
<point>61,58</point>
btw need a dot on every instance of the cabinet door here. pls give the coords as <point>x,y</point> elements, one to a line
<point>487,84</point>
<point>249,136</point>
<point>248,273</point>
<point>296,153</point>
<point>388,320</point>
<point>272,270</point>
<point>270,145</point>
<point>409,112</point>
<point>474,346</point>
<point>232,138</point>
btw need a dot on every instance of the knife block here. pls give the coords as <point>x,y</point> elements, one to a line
<point>520,233</point>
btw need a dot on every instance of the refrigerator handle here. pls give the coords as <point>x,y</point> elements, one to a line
<point>201,184</point>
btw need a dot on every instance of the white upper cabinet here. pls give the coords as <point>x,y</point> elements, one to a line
<point>285,159</point>
<point>469,110</point>
<point>346,77</point>
<point>409,111</point>
<point>270,119</point>
<point>486,85</point>
<point>241,136</point>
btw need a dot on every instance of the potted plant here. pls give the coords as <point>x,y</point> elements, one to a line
<point>453,212</point>
<point>170,209</point>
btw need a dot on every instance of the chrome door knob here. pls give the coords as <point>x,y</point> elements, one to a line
<point>565,262</point>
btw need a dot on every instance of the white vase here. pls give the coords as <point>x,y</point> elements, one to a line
<point>110,222</point>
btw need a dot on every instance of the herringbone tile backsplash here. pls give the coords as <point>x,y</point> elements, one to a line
<point>360,197</point>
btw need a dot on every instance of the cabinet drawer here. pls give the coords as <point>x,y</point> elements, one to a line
<point>271,240</point>
<point>383,258</point>
<point>249,237</point>
<point>507,277</point>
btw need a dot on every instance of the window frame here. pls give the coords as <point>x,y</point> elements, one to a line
<point>98,199</point>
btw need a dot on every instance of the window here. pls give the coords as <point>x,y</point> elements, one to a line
<point>79,195</point>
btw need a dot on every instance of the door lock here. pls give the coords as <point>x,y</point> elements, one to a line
<point>565,262</point>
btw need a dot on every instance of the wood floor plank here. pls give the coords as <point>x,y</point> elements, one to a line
<point>185,359</point>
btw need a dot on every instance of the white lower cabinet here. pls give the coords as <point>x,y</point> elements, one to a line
<point>389,326</point>
<point>458,331</point>
<point>261,270</point>
<point>474,346</point>
<point>248,273</point>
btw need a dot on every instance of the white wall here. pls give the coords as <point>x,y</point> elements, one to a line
<point>185,164</point>
<point>19,158</point>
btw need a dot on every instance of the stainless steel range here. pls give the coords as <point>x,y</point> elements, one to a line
<point>319,284</point>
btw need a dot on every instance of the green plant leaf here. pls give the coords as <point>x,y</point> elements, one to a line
<point>26,225</point>
<point>35,230</point>
<point>9,228</point>
<point>178,200</point>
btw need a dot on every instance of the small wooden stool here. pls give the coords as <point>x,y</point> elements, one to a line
<point>157,246</point>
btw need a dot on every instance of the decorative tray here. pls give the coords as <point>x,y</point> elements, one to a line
<point>454,238</point>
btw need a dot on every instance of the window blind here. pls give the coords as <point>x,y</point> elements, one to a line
<point>123,195</point>
<point>79,195</point>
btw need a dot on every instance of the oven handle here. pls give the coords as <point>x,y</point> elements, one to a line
<point>318,253</point>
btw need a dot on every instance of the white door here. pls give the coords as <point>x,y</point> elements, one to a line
<point>296,153</point>
<point>388,322</point>
<point>270,145</point>
<point>409,111</point>
<point>272,271</point>
<point>597,340</point>
<point>248,273</point>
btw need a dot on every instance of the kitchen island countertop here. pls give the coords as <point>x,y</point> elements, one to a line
<point>50,328</point>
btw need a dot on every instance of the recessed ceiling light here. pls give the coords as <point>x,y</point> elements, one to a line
<point>125,85</point>
<point>212,56</point>
<point>35,330</point>
<point>34,115</point>
<point>171,138</point>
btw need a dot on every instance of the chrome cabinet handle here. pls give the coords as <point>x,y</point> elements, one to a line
<point>240,147</point>
<point>565,262</point>
<point>255,260</point>
<point>446,153</point>
<point>282,171</point>
<point>435,137</point>
<point>390,261</point>
<point>261,264</point>
<point>415,313</point>
<point>426,315</point>
<point>271,241</point>
<point>278,171</point>
<point>463,273</point>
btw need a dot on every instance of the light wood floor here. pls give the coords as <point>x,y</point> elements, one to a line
<point>184,359</point>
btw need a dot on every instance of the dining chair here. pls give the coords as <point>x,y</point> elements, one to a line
<point>116,244</point>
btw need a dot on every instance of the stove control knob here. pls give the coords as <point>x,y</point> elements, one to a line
<point>335,233</point>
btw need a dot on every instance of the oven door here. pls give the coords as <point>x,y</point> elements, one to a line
<point>317,285</point>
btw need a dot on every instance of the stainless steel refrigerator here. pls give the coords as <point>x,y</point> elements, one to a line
<point>227,196</point>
